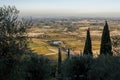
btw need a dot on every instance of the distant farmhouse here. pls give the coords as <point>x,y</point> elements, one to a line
<point>56,43</point>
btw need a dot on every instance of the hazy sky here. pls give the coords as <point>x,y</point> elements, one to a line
<point>96,8</point>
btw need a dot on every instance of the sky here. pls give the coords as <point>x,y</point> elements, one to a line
<point>83,8</point>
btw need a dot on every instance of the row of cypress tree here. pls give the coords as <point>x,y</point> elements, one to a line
<point>106,45</point>
<point>105,49</point>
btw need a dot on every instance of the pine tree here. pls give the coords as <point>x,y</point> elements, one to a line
<point>88,44</point>
<point>106,46</point>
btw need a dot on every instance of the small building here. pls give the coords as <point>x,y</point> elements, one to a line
<point>55,43</point>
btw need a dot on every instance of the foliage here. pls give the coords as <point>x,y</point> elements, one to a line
<point>116,44</point>
<point>7,65</point>
<point>88,44</point>
<point>53,69</point>
<point>105,67</point>
<point>106,45</point>
<point>76,67</point>
<point>59,63</point>
<point>33,67</point>
<point>68,53</point>
<point>12,33</point>
<point>13,42</point>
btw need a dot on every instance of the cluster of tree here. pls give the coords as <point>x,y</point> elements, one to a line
<point>13,42</point>
<point>77,68</point>
<point>106,45</point>
<point>88,68</point>
<point>31,67</point>
<point>17,62</point>
<point>104,67</point>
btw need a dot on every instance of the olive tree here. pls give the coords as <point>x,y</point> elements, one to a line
<point>13,40</point>
<point>12,33</point>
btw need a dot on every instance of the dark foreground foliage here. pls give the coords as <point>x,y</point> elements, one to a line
<point>36,67</point>
<point>7,65</point>
<point>33,67</point>
<point>77,67</point>
<point>105,68</point>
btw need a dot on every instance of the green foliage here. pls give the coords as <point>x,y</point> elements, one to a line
<point>33,67</point>
<point>12,40</point>
<point>116,45</point>
<point>106,45</point>
<point>68,53</point>
<point>52,79</point>
<point>53,70</point>
<point>7,65</point>
<point>76,68</point>
<point>59,63</point>
<point>105,68</point>
<point>88,44</point>
<point>12,33</point>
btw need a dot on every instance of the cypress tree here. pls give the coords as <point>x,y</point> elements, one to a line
<point>106,46</point>
<point>68,56</point>
<point>81,52</point>
<point>59,63</point>
<point>88,44</point>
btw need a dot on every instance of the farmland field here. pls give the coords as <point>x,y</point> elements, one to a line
<point>73,38</point>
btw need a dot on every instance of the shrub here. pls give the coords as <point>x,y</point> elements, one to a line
<point>7,65</point>
<point>33,67</point>
<point>76,68</point>
<point>105,68</point>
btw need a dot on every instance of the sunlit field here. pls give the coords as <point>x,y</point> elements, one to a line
<point>74,40</point>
